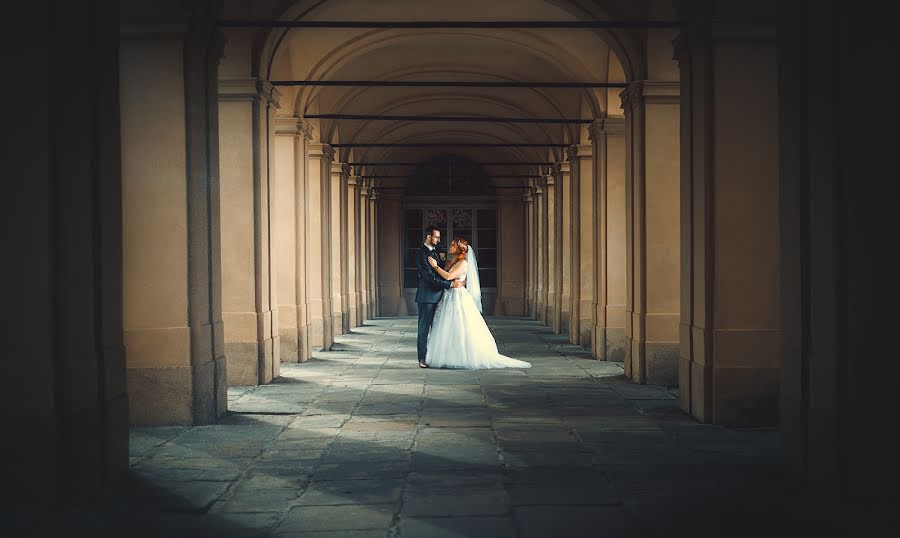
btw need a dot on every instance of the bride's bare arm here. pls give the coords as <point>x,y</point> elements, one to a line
<point>457,270</point>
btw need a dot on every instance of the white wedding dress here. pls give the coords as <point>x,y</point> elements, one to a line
<point>459,337</point>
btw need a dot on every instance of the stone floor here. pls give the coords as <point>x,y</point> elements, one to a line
<point>360,442</point>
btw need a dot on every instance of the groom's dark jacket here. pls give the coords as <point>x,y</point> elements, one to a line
<point>431,284</point>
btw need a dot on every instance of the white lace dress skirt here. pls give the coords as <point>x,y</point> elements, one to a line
<point>460,338</point>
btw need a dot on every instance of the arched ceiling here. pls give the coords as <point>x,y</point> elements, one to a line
<point>554,55</point>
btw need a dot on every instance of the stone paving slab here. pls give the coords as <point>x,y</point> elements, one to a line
<point>360,442</point>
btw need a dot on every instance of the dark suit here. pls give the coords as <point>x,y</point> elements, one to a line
<point>431,289</point>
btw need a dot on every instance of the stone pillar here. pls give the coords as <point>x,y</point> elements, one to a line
<point>729,368</point>
<point>318,281</point>
<point>511,255</point>
<point>607,137</point>
<point>552,262</point>
<point>64,395</point>
<point>564,205</point>
<point>586,267</point>
<point>540,234</point>
<point>530,250</point>
<point>571,199</point>
<point>372,259</point>
<point>171,237</point>
<point>335,225</point>
<point>290,169</point>
<point>652,209</point>
<point>252,335</point>
<point>351,243</point>
<point>362,250</point>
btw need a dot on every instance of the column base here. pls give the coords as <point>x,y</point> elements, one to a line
<point>653,363</point>
<point>247,365</point>
<point>290,347</point>
<point>661,363</point>
<point>315,334</point>
<point>614,347</point>
<point>172,396</point>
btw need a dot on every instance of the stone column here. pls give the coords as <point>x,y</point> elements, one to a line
<point>530,243</point>
<point>540,252</point>
<point>252,334</point>
<point>551,262</point>
<point>390,272</point>
<point>571,242</point>
<point>607,136</point>
<point>729,370</point>
<point>336,223</point>
<point>586,267</point>
<point>318,282</point>
<point>64,398</point>
<point>372,259</point>
<point>290,169</point>
<point>511,255</point>
<point>350,248</point>
<point>564,224</point>
<point>362,250</point>
<point>652,212</point>
<point>171,237</point>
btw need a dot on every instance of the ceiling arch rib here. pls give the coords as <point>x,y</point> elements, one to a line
<point>454,54</point>
<point>505,56</point>
<point>625,43</point>
<point>449,138</point>
<point>451,104</point>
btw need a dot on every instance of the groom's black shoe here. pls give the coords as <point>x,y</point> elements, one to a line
<point>422,363</point>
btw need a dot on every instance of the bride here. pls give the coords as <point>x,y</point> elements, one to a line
<point>459,337</point>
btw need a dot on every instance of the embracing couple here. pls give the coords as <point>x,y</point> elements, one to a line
<point>452,331</point>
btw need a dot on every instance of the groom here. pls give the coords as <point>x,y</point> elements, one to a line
<point>431,289</point>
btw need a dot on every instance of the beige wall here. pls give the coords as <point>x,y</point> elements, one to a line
<point>511,253</point>
<point>387,228</point>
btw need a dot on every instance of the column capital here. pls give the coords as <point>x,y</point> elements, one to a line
<point>549,180</point>
<point>353,181</point>
<point>572,152</point>
<point>607,126</point>
<point>373,193</point>
<point>293,126</point>
<point>322,151</point>
<point>650,91</point>
<point>249,89</point>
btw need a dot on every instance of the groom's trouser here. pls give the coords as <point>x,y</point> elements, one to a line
<point>426,316</point>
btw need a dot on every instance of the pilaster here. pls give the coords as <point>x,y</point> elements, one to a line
<point>652,209</point>
<point>608,146</point>
<point>252,332</point>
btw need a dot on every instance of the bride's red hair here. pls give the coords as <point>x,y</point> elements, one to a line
<point>463,247</point>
